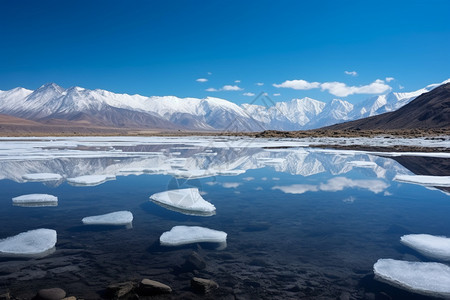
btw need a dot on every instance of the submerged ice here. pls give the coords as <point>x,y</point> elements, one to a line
<point>187,201</point>
<point>437,247</point>
<point>181,235</point>
<point>427,278</point>
<point>114,218</point>
<point>29,243</point>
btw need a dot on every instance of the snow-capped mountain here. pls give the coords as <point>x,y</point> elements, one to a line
<point>51,102</point>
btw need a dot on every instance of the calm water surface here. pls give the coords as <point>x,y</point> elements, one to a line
<point>301,222</point>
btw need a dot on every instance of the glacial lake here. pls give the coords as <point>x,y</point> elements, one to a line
<point>301,222</point>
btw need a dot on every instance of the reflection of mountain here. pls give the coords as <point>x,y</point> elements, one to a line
<point>200,162</point>
<point>426,166</point>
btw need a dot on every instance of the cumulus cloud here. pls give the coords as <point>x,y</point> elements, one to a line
<point>249,94</point>
<point>277,94</point>
<point>298,84</point>
<point>231,88</point>
<point>389,79</point>
<point>336,88</point>
<point>260,83</point>
<point>225,88</point>
<point>351,73</point>
<point>340,89</point>
<point>335,184</point>
<point>201,80</point>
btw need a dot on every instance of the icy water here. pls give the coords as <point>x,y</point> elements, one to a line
<point>301,222</point>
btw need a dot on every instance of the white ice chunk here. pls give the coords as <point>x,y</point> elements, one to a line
<point>437,247</point>
<point>90,180</point>
<point>362,163</point>
<point>424,180</point>
<point>38,242</point>
<point>42,177</point>
<point>187,201</point>
<point>181,235</point>
<point>35,200</point>
<point>114,218</point>
<point>426,278</point>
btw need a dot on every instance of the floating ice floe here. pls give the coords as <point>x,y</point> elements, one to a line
<point>424,180</point>
<point>187,201</point>
<point>42,177</point>
<point>35,200</point>
<point>362,163</point>
<point>90,180</point>
<point>182,235</point>
<point>437,247</point>
<point>426,278</point>
<point>115,218</point>
<point>33,243</point>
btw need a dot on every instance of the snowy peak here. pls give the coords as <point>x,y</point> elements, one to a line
<point>52,101</point>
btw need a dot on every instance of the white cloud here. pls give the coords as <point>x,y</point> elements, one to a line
<point>225,88</point>
<point>298,84</point>
<point>231,88</point>
<point>340,89</point>
<point>201,80</point>
<point>277,94</point>
<point>248,178</point>
<point>389,79</point>
<point>401,87</point>
<point>351,73</point>
<point>249,94</point>
<point>260,83</point>
<point>237,81</point>
<point>265,94</point>
<point>335,184</point>
<point>209,73</point>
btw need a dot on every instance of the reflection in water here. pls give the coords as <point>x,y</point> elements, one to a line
<point>293,222</point>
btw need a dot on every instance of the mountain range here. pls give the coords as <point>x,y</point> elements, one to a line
<point>430,110</point>
<point>53,105</point>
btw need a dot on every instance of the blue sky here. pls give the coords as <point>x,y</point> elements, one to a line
<point>163,47</point>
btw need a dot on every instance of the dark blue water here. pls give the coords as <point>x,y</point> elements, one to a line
<point>316,239</point>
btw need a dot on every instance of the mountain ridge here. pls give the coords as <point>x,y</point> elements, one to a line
<point>51,103</point>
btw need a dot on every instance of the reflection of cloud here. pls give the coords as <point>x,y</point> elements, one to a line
<point>335,184</point>
<point>264,178</point>
<point>259,188</point>
<point>211,183</point>
<point>350,199</point>
<point>231,185</point>
<point>275,178</point>
<point>248,178</point>
<point>296,188</point>
<point>387,193</point>
<point>339,183</point>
